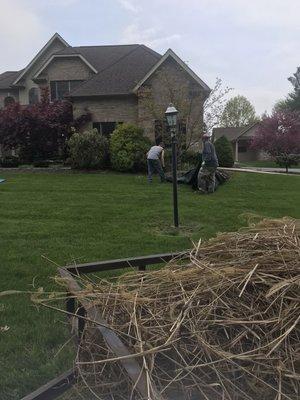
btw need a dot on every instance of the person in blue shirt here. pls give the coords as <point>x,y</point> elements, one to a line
<point>206,175</point>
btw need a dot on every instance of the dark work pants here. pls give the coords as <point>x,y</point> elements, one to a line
<point>153,167</point>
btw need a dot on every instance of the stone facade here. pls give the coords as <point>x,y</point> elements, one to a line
<point>67,68</point>
<point>170,83</point>
<point>108,109</point>
<point>27,83</point>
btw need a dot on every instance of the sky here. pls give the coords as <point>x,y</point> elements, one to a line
<point>252,45</point>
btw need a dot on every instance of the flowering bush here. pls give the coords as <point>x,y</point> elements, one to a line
<point>38,131</point>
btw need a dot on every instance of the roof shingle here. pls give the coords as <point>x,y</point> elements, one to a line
<point>120,75</point>
<point>234,133</point>
<point>7,78</point>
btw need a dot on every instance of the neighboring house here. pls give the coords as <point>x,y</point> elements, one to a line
<point>240,139</point>
<point>111,82</point>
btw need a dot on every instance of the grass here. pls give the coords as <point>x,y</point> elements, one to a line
<point>87,217</point>
<point>263,164</point>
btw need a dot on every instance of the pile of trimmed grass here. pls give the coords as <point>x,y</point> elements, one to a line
<point>88,217</point>
<point>215,324</point>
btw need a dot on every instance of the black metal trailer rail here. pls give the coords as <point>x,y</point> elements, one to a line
<point>56,387</point>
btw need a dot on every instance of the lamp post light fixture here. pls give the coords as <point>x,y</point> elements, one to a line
<point>171,117</point>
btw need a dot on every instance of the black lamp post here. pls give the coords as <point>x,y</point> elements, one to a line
<point>171,116</point>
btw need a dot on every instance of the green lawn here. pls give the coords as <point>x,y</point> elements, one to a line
<point>88,217</point>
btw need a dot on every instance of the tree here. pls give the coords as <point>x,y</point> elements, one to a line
<point>292,101</point>
<point>279,136</point>
<point>38,131</point>
<point>214,106</point>
<point>224,152</point>
<point>238,112</point>
<point>185,96</point>
<point>186,99</point>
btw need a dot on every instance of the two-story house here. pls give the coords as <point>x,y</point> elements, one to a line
<point>118,83</point>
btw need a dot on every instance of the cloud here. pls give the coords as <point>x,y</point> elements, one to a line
<point>129,5</point>
<point>152,37</point>
<point>64,3</point>
<point>263,13</point>
<point>252,45</point>
<point>18,39</point>
<point>266,13</point>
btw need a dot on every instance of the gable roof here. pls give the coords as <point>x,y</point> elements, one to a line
<point>48,44</point>
<point>170,53</point>
<point>102,56</point>
<point>232,133</point>
<point>7,78</point>
<point>119,71</point>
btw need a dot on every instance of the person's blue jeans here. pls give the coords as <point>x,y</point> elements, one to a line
<point>154,166</point>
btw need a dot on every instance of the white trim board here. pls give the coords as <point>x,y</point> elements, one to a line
<point>170,53</point>
<point>55,36</point>
<point>64,56</point>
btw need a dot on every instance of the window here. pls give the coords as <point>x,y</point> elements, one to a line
<point>59,89</point>
<point>97,125</point>
<point>33,95</point>
<point>105,128</point>
<point>242,147</point>
<point>8,101</point>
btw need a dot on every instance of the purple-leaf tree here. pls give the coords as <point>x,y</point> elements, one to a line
<point>279,136</point>
<point>38,131</point>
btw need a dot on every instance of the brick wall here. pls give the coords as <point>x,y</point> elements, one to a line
<point>71,68</point>
<point>171,83</point>
<point>108,109</point>
<point>27,81</point>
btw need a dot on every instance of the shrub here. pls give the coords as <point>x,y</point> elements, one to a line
<point>128,148</point>
<point>40,130</point>
<point>191,158</point>
<point>10,162</point>
<point>224,152</point>
<point>287,160</point>
<point>186,160</point>
<point>88,150</point>
<point>41,163</point>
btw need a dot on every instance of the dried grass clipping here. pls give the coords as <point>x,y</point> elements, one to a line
<point>223,324</point>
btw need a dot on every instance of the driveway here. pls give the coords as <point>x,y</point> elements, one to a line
<point>257,170</point>
<point>277,169</point>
